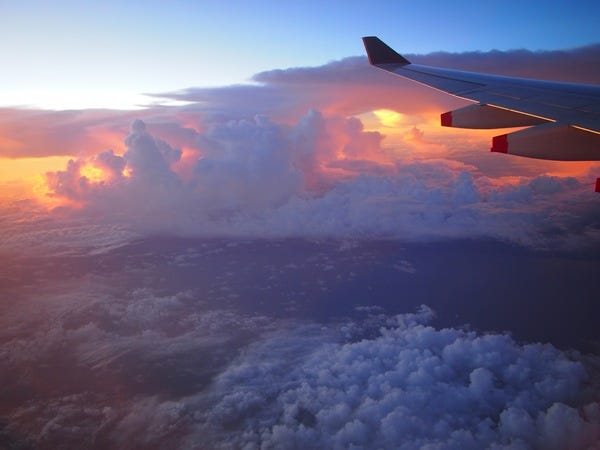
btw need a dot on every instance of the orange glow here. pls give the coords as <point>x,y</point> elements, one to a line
<point>390,122</point>
<point>572,168</point>
<point>93,174</point>
<point>185,166</point>
<point>390,118</point>
<point>25,168</point>
<point>410,137</point>
<point>189,121</point>
<point>400,128</point>
<point>24,179</point>
<point>44,196</point>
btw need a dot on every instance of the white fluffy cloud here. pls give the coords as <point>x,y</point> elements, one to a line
<point>411,386</point>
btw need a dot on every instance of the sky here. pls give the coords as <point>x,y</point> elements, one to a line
<point>69,54</point>
<point>221,225</point>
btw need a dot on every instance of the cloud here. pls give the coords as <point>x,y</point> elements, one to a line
<point>256,177</point>
<point>26,133</point>
<point>346,87</point>
<point>140,368</point>
<point>294,155</point>
<point>553,65</point>
<point>37,133</point>
<point>132,365</point>
<point>79,356</point>
<point>351,86</point>
<point>411,386</point>
<point>241,167</point>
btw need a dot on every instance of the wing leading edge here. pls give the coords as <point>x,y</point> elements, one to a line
<point>563,118</point>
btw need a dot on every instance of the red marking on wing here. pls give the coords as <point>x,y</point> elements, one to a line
<point>500,144</point>
<point>447,119</point>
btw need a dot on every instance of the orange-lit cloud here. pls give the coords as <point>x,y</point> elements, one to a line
<point>93,173</point>
<point>337,149</point>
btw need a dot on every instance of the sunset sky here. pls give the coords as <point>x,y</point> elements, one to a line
<point>69,55</point>
<point>220,225</point>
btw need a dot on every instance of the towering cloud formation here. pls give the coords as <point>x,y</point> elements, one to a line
<point>260,178</point>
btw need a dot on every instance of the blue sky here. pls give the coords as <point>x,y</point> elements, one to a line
<point>68,53</point>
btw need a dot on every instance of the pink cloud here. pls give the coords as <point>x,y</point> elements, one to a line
<point>263,179</point>
<point>287,157</point>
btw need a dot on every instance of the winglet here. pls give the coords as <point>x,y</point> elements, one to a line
<point>380,53</point>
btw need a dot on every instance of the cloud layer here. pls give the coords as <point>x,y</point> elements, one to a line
<point>346,87</point>
<point>301,153</point>
<point>410,386</point>
<point>142,369</point>
<point>323,176</point>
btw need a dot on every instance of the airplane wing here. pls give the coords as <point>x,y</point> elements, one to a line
<point>563,118</point>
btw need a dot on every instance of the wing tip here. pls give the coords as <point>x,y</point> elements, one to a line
<point>380,53</point>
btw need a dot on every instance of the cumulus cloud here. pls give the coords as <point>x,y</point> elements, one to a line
<point>143,369</point>
<point>256,177</point>
<point>88,366</point>
<point>241,167</point>
<point>411,386</point>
